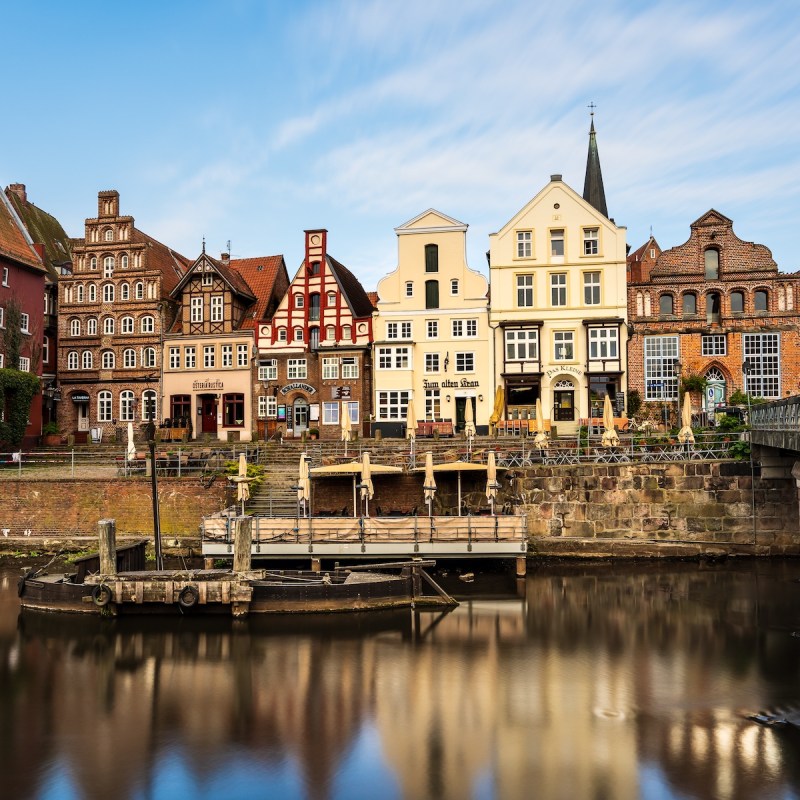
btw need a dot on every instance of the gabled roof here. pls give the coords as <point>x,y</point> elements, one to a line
<point>351,287</point>
<point>235,281</point>
<point>431,220</point>
<point>712,217</point>
<point>15,243</point>
<point>43,228</point>
<point>261,275</point>
<point>637,254</point>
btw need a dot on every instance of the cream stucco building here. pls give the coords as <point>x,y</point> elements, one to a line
<point>559,303</point>
<point>432,343</point>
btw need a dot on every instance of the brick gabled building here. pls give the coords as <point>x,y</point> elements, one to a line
<point>209,373</point>
<point>55,248</point>
<point>703,309</point>
<point>315,354</point>
<point>22,289</point>
<point>113,310</point>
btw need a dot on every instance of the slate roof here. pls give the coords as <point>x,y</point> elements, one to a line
<point>357,297</point>
<point>593,191</point>
<point>14,241</point>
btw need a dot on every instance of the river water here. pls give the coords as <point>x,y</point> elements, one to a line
<point>600,681</point>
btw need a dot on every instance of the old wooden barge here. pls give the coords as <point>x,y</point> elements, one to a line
<point>115,583</point>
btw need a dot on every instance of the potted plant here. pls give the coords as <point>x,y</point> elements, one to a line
<point>313,433</point>
<point>51,436</point>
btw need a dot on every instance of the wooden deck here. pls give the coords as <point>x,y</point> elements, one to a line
<point>370,537</point>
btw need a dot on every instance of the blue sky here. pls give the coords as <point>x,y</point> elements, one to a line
<point>251,121</point>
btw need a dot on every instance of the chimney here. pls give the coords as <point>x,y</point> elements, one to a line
<point>225,257</point>
<point>19,191</point>
<point>38,247</point>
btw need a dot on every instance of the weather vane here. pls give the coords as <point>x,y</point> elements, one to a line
<point>591,108</point>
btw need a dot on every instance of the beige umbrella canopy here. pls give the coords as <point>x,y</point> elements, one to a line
<point>685,435</point>
<point>347,426</point>
<point>411,421</point>
<point>303,481</point>
<point>541,439</point>
<point>131,451</point>
<point>491,479</point>
<point>469,419</point>
<point>429,484</point>
<point>610,438</point>
<point>457,467</point>
<point>353,469</point>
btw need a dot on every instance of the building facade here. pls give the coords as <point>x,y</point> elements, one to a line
<point>113,310</point>
<point>558,304</point>
<point>432,343</point>
<point>703,310</point>
<point>315,353</point>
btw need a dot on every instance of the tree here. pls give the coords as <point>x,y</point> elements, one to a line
<point>12,335</point>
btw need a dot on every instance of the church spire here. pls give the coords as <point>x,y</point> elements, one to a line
<point>593,191</point>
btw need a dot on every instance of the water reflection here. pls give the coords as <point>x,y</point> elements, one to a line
<point>603,681</point>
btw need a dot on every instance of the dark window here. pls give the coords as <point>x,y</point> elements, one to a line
<point>233,410</point>
<point>313,338</point>
<point>712,307</point>
<point>313,307</point>
<point>665,304</point>
<point>737,302</point>
<point>431,258</point>
<point>761,301</point>
<point>712,264</point>
<point>180,408</point>
<point>315,267</point>
<point>689,305</point>
<point>431,294</point>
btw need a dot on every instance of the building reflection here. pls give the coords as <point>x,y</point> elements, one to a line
<point>598,683</point>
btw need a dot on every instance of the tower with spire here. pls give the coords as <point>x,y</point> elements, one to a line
<point>593,191</point>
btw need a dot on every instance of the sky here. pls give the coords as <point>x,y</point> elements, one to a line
<point>251,121</point>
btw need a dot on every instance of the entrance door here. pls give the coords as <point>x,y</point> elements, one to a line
<point>715,390</point>
<point>461,412</point>
<point>83,416</point>
<point>208,413</point>
<point>300,416</point>
<point>564,405</point>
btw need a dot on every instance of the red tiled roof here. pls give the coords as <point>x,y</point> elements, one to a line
<point>373,298</point>
<point>262,276</point>
<point>13,242</point>
<point>169,262</point>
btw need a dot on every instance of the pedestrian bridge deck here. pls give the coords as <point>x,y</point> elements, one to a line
<point>369,537</point>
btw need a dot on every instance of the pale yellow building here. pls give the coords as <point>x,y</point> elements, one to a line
<point>559,315</point>
<point>432,344</point>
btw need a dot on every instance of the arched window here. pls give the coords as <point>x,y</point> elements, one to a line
<point>107,359</point>
<point>147,324</point>
<point>347,332</point>
<point>126,325</point>
<point>91,326</point>
<point>313,306</point>
<point>689,304</point>
<point>86,361</point>
<point>712,264</point>
<point>92,293</point>
<point>648,304</point>
<point>123,262</point>
<point>72,360</point>
<point>129,358</point>
<point>124,291</point>
<point>761,301</point>
<point>737,303</point>
<point>712,307</point>
<point>68,294</point>
<point>665,304</point>
<point>781,298</point>
<point>79,292</point>
<point>108,326</point>
<point>74,327</point>
<point>139,290</point>
<point>149,405</point>
<point>108,293</point>
<point>93,263</point>
<point>299,300</point>
<point>298,334</point>
<point>126,406</point>
<point>108,235</point>
<point>149,357</point>
<point>639,304</point>
<point>330,332</point>
<point>331,299</point>
<point>104,408</point>
<point>714,375</point>
<point>281,334</point>
<point>431,258</point>
<point>108,266</point>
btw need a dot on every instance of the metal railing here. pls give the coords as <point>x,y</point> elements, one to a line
<point>778,415</point>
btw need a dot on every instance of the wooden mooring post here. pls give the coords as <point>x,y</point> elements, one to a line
<point>242,544</point>
<point>107,546</point>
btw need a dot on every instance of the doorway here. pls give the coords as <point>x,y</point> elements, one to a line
<point>300,416</point>
<point>564,403</point>
<point>461,412</point>
<point>83,416</point>
<point>715,390</point>
<point>208,413</point>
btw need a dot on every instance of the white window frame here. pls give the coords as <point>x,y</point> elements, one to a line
<point>714,344</point>
<point>217,308</point>
<point>108,360</point>
<point>432,328</point>
<point>189,357</point>
<point>226,355</point>
<point>242,355</point>
<point>209,356</point>
<point>196,314</point>
<point>24,322</point>
<point>330,413</point>
<point>126,325</point>
<point>267,372</point>
<point>763,351</point>
<point>558,289</point>
<point>174,357</point>
<point>524,244</point>
<point>72,359</point>
<point>87,360</point>
<point>147,324</point>
<point>409,288</point>
<point>603,344</point>
<point>433,404</point>
<point>25,364</point>
<point>660,376</point>
<point>591,288</point>
<point>563,345</point>
<point>454,285</point>
<point>330,369</point>
<point>432,362</point>
<point>126,407</point>
<point>149,357</point>
<point>129,358</point>
<point>522,344</point>
<point>394,358</point>
<point>91,326</point>
<point>296,369</point>
<point>392,404</point>
<point>105,406</point>
<point>350,368</point>
<point>465,361</point>
<point>591,241</point>
<point>525,290</point>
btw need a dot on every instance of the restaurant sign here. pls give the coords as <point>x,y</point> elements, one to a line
<point>298,386</point>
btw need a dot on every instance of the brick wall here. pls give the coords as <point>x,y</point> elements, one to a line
<point>73,507</point>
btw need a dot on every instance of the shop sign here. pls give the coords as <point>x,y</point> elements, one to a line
<point>298,386</point>
<point>80,397</point>
<point>558,370</point>
<point>464,383</point>
<point>341,393</point>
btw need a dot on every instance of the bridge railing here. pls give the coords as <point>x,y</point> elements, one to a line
<point>778,415</point>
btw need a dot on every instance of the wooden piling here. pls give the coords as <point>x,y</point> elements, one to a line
<point>316,564</point>
<point>243,544</point>
<point>522,566</point>
<point>107,538</point>
<point>208,562</point>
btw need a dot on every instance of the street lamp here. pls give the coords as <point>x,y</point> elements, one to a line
<point>747,369</point>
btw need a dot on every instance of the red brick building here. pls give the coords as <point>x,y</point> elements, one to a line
<point>705,308</point>
<point>113,309</point>
<point>22,291</point>
<point>315,354</point>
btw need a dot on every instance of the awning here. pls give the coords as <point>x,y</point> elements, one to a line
<point>79,397</point>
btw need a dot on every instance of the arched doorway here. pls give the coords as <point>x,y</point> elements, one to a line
<point>714,394</point>
<point>81,400</point>
<point>300,415</point>
<point>564,401</point>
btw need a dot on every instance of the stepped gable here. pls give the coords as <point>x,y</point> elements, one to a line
<point>267,279</point>
<point>43,228</point>
<point>746,260</point>
<point>357,297</point>
<point>15,243</point>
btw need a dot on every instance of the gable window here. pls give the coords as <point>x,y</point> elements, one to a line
<point>454,286</point>
<point>689,304</point>
<point>216,308</point>
<point>761,301</point>
<point>522,344</point>
<point>737,303</point>
<point>564,345</point>
<point>196,308</point>
<point>524,244</point>
<point>109,235</point>
<point>350,368</point>
<point>313,306</point>
<point>525,291</point>
<point>712,307</point>
<point>208,279</point>
<point>591,288</point>
<point>665,304</point>
<point>315,267</point>
<point>299,301</point>
<point>591,241</point>
<point>558,289</point>
<point>711,264</point>
<point>347,332</point>
<point>431,258</point>
<point>409,288</point>
<point>431,294</point>
<point>331,300</point>
<point>557,243</point>
<point>296,369</point>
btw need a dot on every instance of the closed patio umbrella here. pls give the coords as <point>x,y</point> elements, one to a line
<point>685,435</point>
<point>303,482</point>
<point>367,489</point>
<point>347,427</point>
<point>610,438</point>
<point>429,484</point>
<point>491,479</point>
<point>411,421</point>
<point>497,411</point>
<point>131,451</point>
<point>541,438</point>
<point>469,419</point>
